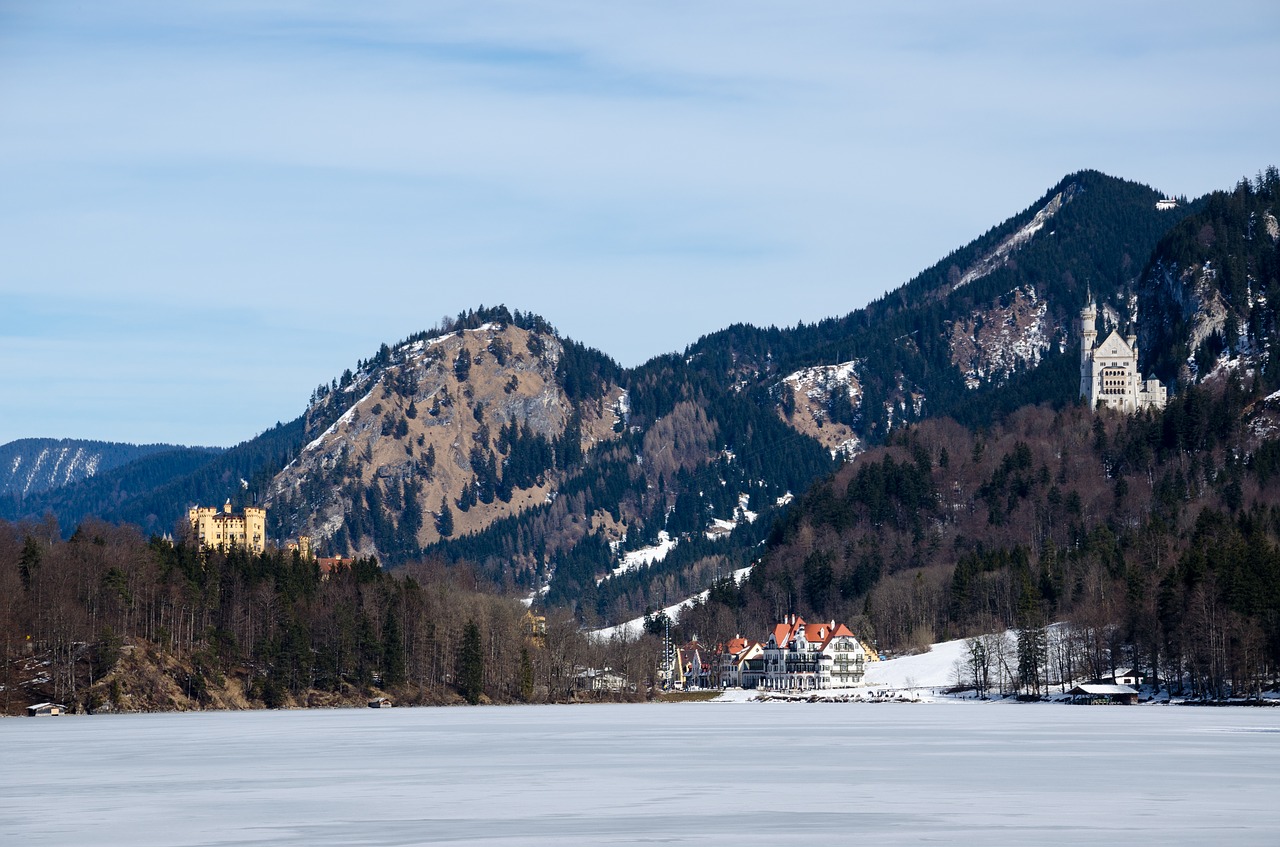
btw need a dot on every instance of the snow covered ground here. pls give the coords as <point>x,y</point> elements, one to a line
<point>645,556</point>
<point>635,627</point>
<point>760,775</point>
<point>932,670</point>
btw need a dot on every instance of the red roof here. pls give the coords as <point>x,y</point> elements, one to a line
<point>819,634</point>
<point>328,565</point>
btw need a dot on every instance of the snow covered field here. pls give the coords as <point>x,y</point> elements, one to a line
<point>696,773</point>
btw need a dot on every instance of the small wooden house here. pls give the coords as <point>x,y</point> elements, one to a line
<point>1122,676</point>
<point>45,709</point>
<point>1094,693</point>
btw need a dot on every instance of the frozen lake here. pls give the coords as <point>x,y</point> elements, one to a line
<point>698,773</point>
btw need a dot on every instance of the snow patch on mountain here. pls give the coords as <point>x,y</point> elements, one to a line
<point>1006,248</point>
<point>723,527</point>
<point>818,382</point>
<point>808,396</point>
<point>333,427</point>
<point>645,556</point>
<point>634,628</point>
<point>53,468</point>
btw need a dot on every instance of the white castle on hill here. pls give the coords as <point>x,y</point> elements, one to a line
<point>1109,376</point>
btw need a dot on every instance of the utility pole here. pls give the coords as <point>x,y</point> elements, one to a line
<point>666,652</point>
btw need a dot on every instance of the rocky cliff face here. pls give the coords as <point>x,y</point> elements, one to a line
<point>820,403</point>
<point>466,423</point>
<point>1208,294</point>
<point>990,345</point>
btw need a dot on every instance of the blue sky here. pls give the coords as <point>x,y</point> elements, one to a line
<point>206,209</point>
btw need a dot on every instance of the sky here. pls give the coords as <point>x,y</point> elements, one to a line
<point>209,208</point>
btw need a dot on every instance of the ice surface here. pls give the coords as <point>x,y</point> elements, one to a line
<point>738,774</point>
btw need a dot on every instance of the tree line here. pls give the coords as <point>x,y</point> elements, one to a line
<point>271,629</point>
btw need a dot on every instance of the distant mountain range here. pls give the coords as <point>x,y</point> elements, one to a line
<point>493,440</point>
<point>34,465</point>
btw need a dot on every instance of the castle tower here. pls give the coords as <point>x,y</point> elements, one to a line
<point>1088,337</point>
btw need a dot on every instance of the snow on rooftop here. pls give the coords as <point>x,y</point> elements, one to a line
<point>720,528</point>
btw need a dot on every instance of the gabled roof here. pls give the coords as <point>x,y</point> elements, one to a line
<point>818,635</point>
<point>1114,345</point>
<point>785,631</point>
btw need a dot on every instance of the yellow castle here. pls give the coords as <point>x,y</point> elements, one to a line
<point>220,529</point>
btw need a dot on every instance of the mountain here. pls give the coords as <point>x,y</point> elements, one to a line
<point>442,435</point>
<point>983,331</point>
<point>548,468</point>
<point>155,490</point>
<point>719,437</point>
<point>921,469</point>
<point>1210,287</point>
<point>33,465</point>
<point>1156,535</point>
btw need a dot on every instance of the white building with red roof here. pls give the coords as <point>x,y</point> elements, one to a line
<point>800,656</point>
<point>738,659</point>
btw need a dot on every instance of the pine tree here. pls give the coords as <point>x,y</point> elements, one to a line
<point>471,664</point>
<point>393,665</point>
<point>444,521</point>
<point>29,561</point>
<point>526,675</point>
<point>462,365</point>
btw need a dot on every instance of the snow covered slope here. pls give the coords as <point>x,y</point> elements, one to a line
<point>31,465</point>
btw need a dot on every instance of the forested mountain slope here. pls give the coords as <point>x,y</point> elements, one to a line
<point>1213,284</point>
<point>1156,535</point>
<point>546,466</point>
<point>155,491</point>
<point>32,465</point>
